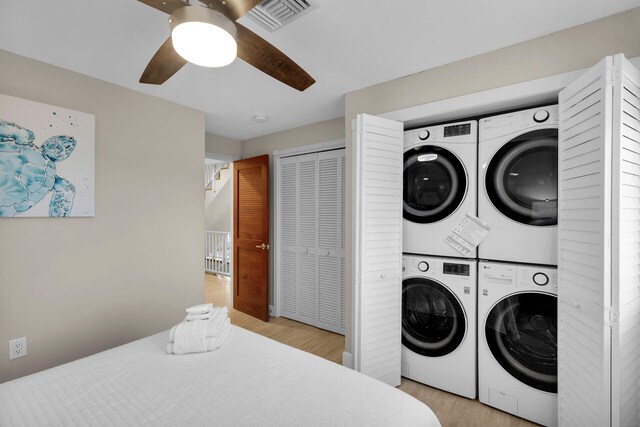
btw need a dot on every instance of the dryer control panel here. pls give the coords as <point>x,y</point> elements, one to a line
<point>518,122</point>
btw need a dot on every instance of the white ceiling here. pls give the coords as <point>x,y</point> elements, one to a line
<point>345,45</point>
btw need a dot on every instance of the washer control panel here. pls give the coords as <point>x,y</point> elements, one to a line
<point>447,270</point>
<point>459,133</point>
<point>457,130</point>
<point>456,269</point>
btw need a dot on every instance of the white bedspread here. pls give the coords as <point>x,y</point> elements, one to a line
<point>249,381</point>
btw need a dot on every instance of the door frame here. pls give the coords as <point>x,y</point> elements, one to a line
<point>229,159</point>
<point>277,155</point>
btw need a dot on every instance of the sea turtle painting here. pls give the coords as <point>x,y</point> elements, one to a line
<point>28,172</point>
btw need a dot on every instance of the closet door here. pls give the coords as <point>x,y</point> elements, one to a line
<point>311,250</point>
<point>307,284</point>
<point>625,224</point>
<point>343,236</point>
<point>288,228</point>
<point>377,245</point>
<point>598,235</point>
<point>329,266</point>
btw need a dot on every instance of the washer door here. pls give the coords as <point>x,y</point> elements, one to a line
<point>522,178</point>
<point>434,184</point>
<point>521,331</point>
<point>433,320</point>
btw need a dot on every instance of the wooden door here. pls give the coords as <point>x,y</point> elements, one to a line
<point>251,236</point>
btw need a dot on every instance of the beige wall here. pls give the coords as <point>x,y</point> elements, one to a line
<point>561,52</point>
<point>328,130</point>
<point>215,144</point>
<point>76,286</point>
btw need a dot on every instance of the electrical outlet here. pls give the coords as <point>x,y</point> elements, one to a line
<point>17,348</point>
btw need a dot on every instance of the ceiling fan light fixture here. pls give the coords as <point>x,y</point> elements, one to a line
<point>203,36</point>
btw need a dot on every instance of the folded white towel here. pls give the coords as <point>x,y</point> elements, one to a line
<point>200,309</point>
<point>213,343</point>
<point>190,337</point>
<point>208,315</point>
<point>203,316</point>
<point>214,325</point>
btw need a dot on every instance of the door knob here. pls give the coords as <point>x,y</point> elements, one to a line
<point>263,246</point>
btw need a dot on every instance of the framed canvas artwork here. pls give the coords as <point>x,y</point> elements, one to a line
<point>47,160</point>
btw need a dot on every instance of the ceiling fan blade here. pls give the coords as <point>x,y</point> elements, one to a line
<point>166,6</point>
<point>258,52</point>
<point>232,9</point>
<point>164,64</point>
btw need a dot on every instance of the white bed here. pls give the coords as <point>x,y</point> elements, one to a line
<point>251,380</point>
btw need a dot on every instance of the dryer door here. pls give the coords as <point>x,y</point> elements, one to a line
<point>522,178</point>
<point>434,184</point>
<point>521,332</point>
<point>433,319</point>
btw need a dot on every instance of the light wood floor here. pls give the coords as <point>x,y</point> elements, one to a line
<point>451,410</point>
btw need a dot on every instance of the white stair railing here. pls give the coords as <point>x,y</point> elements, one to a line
<point>217,252</point>
<point>210,172</point>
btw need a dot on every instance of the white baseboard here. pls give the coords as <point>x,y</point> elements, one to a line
<point>347,360</point>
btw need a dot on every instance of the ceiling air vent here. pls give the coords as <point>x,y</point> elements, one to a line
<point>274,14</point>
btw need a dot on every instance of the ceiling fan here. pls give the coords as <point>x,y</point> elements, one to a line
<point>216,19</point>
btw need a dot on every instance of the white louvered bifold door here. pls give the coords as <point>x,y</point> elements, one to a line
<point>307,238</point>
<point>329,271</point>
<point>377,244</point>
<point>598,236</point>
<point>288,227</point>
<point>343,237</point>
<point>311,256</point>
<point>584,261</point>
<point>625,378</point>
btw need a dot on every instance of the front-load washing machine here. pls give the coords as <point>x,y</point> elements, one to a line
<point>439,323</point>
<point>517,340</point>
<point>518,185</point>
<point>439,185</point>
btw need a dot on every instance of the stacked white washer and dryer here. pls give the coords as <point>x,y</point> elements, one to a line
<point>439,287</point>
<point>484,323</point>
<point>517,276</point>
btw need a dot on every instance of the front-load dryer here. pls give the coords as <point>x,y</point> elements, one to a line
<point>439,323</point>
<point>518,185</point>
<point>517,340</point>
<point>439,185</point>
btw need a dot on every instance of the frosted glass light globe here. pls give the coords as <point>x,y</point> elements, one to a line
<point>203,37</point>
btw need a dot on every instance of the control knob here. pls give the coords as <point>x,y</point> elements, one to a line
<point>541,116</point>
<point>423,266</point>
<point>424,134</point>
<point>540,279</point>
